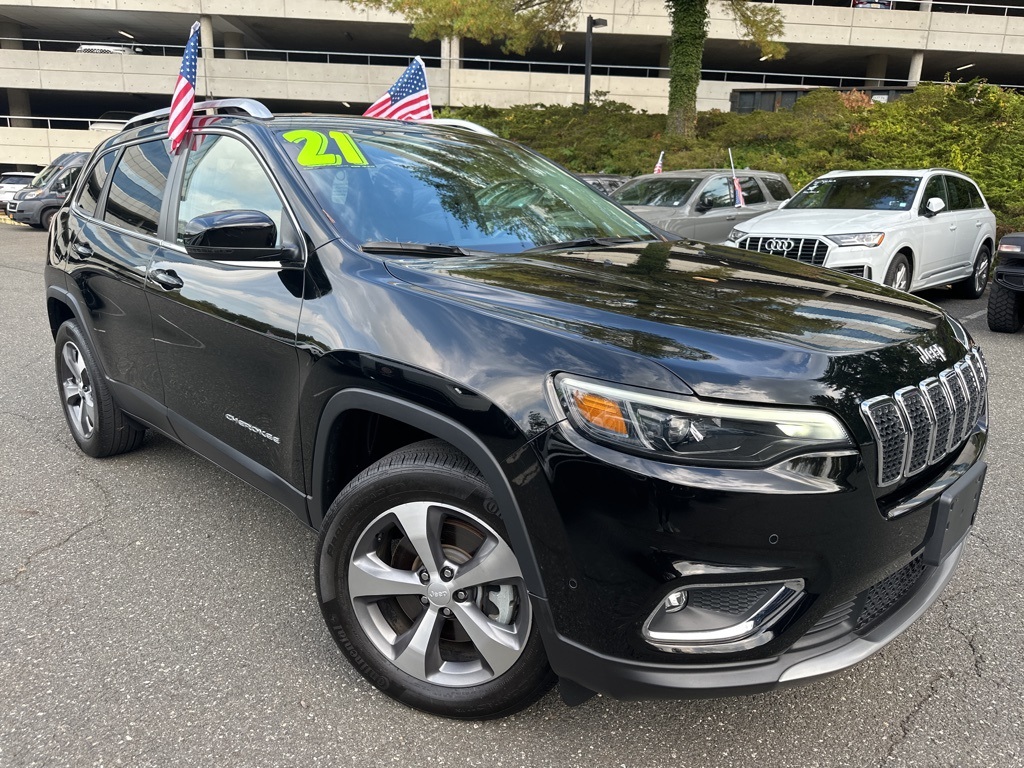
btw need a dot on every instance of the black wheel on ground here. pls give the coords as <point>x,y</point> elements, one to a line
<point>1004,315</point>
<point>422,592</point>
<point>974,286</point>
<point>898,275</point>
<point>98,425</point>
<point>46,217</point>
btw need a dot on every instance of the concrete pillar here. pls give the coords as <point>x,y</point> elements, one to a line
<point>234,40</point>
<point>203,88</point>
<point>18,103</point>
<point>916,64</point>
<point>451,53</point>
<point>875,72</point>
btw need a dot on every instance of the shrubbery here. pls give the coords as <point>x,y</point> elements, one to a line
<point>972,127</point>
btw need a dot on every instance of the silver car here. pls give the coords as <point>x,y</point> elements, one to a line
<point>703,204</point>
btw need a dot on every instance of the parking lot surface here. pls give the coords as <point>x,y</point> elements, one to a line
<point>157,611</point>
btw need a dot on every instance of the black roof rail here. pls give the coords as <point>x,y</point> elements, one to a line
<point>249,107</point>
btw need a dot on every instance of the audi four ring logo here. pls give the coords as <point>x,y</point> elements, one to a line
<point>775,244</point>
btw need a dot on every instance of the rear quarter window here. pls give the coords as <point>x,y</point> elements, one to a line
<point>89,196</point>
<point>776,188</point>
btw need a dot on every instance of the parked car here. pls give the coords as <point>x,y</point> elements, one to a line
<point>113,120</point>
<point>702,204</point>
<point>11,182</point>
<point>1006,298</point>
<point>538,440</point>
<point>36,204</point>
<point>605,182</point>
<point>908,229</point>
<point>111,48</point>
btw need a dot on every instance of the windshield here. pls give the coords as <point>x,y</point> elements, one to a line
<point>666,192</point>
<point>403,184</point>
<point>45,176</point>
<point>879,193</point>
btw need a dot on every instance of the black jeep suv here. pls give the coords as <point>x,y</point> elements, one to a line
<point>539,440</point>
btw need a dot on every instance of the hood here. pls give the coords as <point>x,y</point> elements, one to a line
<point>822,221</point>
<point>730,324</point>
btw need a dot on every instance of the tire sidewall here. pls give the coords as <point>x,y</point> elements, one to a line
<point>354,509</point>
<point>69,331</point>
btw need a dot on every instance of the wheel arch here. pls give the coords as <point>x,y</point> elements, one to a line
<point>419,423</point>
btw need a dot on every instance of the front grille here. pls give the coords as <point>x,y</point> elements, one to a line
<point>809,250</point>
<point>890,593</point>
<point>919,426</point>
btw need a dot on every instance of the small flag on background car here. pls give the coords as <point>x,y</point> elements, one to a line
<point>407,99</point>
<point>184,91</point>
<point>657,165</point>
<point>740,203</point>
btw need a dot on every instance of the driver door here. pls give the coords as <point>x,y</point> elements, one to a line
<point>225,331</point>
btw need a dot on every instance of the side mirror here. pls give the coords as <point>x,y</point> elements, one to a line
<point>933,206</point>
<point>705,203</point>
<point>60,186</point>
<point>235,236</point>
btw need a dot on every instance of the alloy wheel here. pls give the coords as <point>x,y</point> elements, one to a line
<point>76,386</point>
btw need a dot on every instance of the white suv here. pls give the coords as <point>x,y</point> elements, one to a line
<point>908,229</point>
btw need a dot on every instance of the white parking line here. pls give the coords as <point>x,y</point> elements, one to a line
<point>975,315</point>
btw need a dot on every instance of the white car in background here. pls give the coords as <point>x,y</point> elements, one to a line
<point>11,182</point>
<point>911,229</point>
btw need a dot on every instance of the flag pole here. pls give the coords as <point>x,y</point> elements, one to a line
<point>736,183</point>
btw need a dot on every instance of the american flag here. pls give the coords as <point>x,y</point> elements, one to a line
<point>185,91</point>
<point>657,165</point>
<point>407,99</point>
<point>739,193</point>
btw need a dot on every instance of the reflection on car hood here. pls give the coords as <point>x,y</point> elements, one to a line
<point>730,324</point>
<point>823,221</point>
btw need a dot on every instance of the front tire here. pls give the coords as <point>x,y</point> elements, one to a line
<point>898,275</point>
<point>974,286</point>
<point>98,425</point>
<point>422,592</point>
<point>1004,315</point>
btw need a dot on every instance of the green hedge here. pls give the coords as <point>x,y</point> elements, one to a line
<point>972,127</point>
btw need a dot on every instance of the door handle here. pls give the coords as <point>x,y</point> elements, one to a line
<point>977,224</point>
<point>167,279</point>
<point>952,227</point>
<point>82,250</point>
<point>730,218</point>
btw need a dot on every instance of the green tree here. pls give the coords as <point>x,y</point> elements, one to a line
<point>522,24</point>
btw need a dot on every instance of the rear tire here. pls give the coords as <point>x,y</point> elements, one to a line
<point>422,592</point>
<point>974,286</point>
<point>898,275</point>
<point>98,425</point>
<point>1004,315</point>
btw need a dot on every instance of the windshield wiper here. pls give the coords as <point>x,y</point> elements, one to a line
<point>586,242</point>
<point>414,249</point>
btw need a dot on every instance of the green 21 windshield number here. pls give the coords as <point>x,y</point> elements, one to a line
<point>315,151</point>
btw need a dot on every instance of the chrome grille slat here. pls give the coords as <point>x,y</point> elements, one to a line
<point>808,250</point>
<point>920,425</point>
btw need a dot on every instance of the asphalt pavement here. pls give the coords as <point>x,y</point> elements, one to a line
<point>155,611</point>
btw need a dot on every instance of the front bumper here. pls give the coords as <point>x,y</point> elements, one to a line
<point>626,679</point>
<point>868,577</point>
<point>24,211</point>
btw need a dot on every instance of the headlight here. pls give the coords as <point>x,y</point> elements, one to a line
<point>736,235</point>
<point>870,239</point>
<point>33,193</point>
<point>692,430</point>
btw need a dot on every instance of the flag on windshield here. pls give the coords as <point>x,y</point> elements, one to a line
<point>658,166</point>
<point>184,91</point>
<point>407,99</point>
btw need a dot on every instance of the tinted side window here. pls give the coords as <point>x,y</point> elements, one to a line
<point>935,188</point>
<point>776,188</point>
<point>752,192</point>
<point>223,175</point>
<point>90,193</point>
<point>137,187</point>
<point>718,193</point>
<point>962,194</point>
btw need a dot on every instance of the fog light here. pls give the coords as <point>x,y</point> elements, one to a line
<point>675,601</point>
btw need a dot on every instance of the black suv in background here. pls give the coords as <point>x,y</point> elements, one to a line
<point>538,440</point>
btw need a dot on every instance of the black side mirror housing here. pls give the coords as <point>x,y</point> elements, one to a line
<point>241,235</point>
